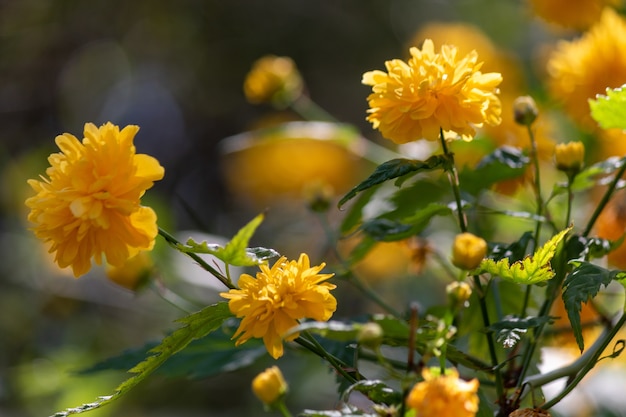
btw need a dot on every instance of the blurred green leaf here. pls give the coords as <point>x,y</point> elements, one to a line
<point>196,325</point>
<point>610,110</point>
<point>582,284</point>
<point>530,270</point>
<point>504,163</point>
<point>377,391</point>
<point>581,247</point>
<point>334,330</point>
<point>510,330</point>
<point>236,252</point>
<point>345,412</point>
<point>513,251</point>
<point>387,230</point>
<point>354,215</point>
<point>394,169</point>
<point>592,175</point>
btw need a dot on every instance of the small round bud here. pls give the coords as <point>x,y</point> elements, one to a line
<point>273,79</point>
<point>458,293</point>
<point>569,156</point>
<point>269,386</point>
<point>530,412</point>
<point>525,110</point>
<point>370,335</point>
<point>468,251</point>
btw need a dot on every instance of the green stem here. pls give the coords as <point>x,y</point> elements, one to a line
<point>176,245</point>
<point>538,197</point>
<point>309,342</point>
<point>171,297</point>
<point>570,200</point>
<point>309,110</point>
<point>605,199</point>
<point>280,406</point>
<point>454,182</point>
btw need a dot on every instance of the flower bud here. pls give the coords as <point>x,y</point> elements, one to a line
<point>525,110</point>
<point>569,156</point>
<point>273,79</point>
<point>370,335</point>
<point>468,251</point>
<point>269,386</point>
<point>458,293</point>
<point>530,412</point>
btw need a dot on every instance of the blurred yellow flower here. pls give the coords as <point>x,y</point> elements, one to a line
<point>582,68</point>
<point>432,91</point>
<point>468,251</point>
<point>445,395</point>
<point>575,14</point>
<point>89,204</point>
<point>273,79</point>
<point>134,273</point>
<point>269,386</point>
<point>273,302</point>
<point>569,156</point>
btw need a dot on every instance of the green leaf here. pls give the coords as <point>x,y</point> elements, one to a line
<point>610,110</point>
<point>383,229</point>
<point>236,252</point>
<point>582,284</point>
<point>530,270</point>
<point>196,325</point>
<point>394,169</point>
<point>334,330</point>
<point>510,330</point>
<point>504,163</point>
<point>354,216</point>
<point>377,391</point>
<point>581,247</point>
<point>592,175</point>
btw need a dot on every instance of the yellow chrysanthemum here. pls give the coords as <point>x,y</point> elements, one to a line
<point>432,91</point>
<point>580,69</point>
<point>575,14</point>
<point>445,395</point>
<point>272,303</point>
<point>88,206</point>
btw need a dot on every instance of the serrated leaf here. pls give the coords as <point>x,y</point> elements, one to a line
<point>196,325</point>
<point>510,330</point>
<point>530,270</point>
<point>377,391</point>
<point>504,163</point>
<point>610,110</point>
<point>236,252</point>
<point>582,284</point>
<point>394,169</point>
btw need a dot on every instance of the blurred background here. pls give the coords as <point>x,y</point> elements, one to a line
<point>177,69</point>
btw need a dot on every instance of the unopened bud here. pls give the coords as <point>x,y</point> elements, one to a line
<point>458,293</point>
<point>569,156</point>
<point>269,386</point>
<point>468,251</point>
<point>370,335</point>
<point>525,110</point>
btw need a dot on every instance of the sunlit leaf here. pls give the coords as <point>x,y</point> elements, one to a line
<point>610,110</point>
<point>377,391</point>
<point>196,325</point>
<point>394,169</point>
<point>530,270</point>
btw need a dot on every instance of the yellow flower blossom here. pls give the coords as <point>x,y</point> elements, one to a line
<point>272,303</point>
<point>269,386</point>
<point>273,79</point>
<point>584,67</point>
<point>575,14</point>
<point>134,273</point>
<point>445,395</point>
<point>569,156</point>
<point>432,91</point>
<point>468,251</point>
<point>89,204</point>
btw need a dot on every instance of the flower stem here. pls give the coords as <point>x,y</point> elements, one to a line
<point>454,182</point>
<point>280,406</point>
<point>176,245</point>
<point>605,199</point>
<point>309,110</point>
<point>309,342</point>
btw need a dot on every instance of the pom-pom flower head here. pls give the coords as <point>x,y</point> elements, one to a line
<point>273,302</point>
<point>432,91</point>
<point>89,204</point>
<point>445,395</point>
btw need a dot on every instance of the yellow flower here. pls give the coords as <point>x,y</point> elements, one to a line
<point>273,302</point>
<point>414,99</point>
<point>444,396</point>
<point>468,251</point>
<point>269,386</point>
<point>582,68</point>
<point>530,412</point>
<point>569,156</point>
<point>575,14</point>
<point>88,206</point>
<point>273,79</point>
<point>134,273</point>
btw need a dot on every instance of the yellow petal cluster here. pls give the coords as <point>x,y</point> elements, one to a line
<point>584,67</point>
<point>273,79</point>
<point>88,206</point>
<point>269,385</point>
<point>272,303</point>
<point>432,91</point>
<point>445,395</point>
<point>575,14</point>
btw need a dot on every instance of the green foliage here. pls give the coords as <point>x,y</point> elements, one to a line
<point>196,325</point>
<point>610,110</point>
<point>582,284</point>
<point>384,229</point>
<point>394,169</point>
<point>236,252</point>
<point>377,391</point>
<point>530,270</point>
<point>502,164</point>
<point>510,330</point>
<point>592,175</point>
